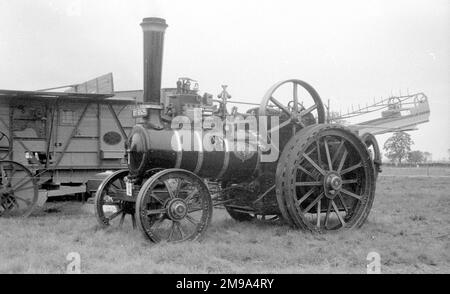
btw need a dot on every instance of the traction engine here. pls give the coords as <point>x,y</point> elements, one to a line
<point>278,159</point>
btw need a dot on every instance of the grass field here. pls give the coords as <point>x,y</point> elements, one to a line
<point>409,227</point>
<point>413,171</point>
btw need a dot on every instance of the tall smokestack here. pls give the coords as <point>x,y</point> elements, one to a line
<point>154,29</point>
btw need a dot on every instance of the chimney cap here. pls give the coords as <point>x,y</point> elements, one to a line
<point>154,24</point>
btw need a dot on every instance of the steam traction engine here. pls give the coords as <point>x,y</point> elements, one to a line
<point>189,154</point>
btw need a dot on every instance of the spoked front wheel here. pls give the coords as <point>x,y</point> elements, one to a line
<point>174,206</point>
<point>111,205</point>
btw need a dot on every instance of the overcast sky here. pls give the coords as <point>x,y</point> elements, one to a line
<point>350,51</point>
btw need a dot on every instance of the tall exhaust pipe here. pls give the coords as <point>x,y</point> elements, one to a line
<point>154,30</point>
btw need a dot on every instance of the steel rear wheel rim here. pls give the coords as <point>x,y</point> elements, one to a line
<point>306,189</point>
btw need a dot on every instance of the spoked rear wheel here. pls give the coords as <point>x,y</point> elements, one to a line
<point>326,180</point>
<point>18,190</point>
<point>111,207</point>
<point>174,206</point>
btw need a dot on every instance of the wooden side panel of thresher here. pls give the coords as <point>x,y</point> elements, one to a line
<point>28,129</point>
<point>99,139</point>
<point>75,136</point>
<point>90,138</point>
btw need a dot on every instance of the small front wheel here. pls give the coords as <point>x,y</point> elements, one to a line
<point>174,205</point>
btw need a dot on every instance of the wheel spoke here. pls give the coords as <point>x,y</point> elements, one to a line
<point>305,184</point>
<point>311,205</point>
<point>195,209</point>
<point>157,198</point>
<point>310,192</point>
<point>156,211</point>
<point>309,110</point>
<point>11,176</point>
<point>191,195</point>
<point>314,164</point>
<point>319,153</point>
<point>311,151</point>
<point>177,191</point>
<point>118,188</point>
<point>281,106</point>
<point>172,230</point>
<point>295,98</point>
<point>346,192</point>
<point>352,168</point>
<point>113,216</point>
<point>352,181</point>
<point>280,126</point>
<point>318,213</point>
<point>28,202</point>
<point>24,189</point>
<point>343,203</point>
<point>306,172</point>
<point>20,184</point>
<point>180,229</point>
<point>327,151</point>
<point>338,151</point>
<point>192,220</point>
<point>171,194</point>
<point>341,163</point>
<point>336,210</point>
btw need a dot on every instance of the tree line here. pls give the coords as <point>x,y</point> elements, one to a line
<point>398,150</point>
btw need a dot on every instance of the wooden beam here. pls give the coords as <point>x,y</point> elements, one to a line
<point>117,121</point>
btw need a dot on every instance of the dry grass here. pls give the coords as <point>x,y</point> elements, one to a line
<point>408,226</point>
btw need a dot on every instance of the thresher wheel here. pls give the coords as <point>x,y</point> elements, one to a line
<point>174,205</point>
<point>110,210</point>
<point>290,98</point>
<point>372,144</point>
<point>5,146</point>
<point>325,179</point>
<point>18,190</point>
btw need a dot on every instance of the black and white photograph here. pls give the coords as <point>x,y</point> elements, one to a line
<point>241,140</point>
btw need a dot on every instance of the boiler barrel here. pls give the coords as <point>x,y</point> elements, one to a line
<point>167,148</point>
